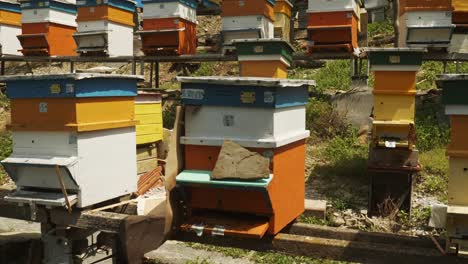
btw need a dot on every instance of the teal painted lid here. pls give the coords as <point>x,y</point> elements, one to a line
<point>197,177</point>
<point>395,59</point>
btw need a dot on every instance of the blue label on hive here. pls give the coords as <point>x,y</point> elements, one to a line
<point>268,97</point>
<point>194,94</point>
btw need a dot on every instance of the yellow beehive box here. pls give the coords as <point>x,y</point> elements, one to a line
<point>395,81</point>
<point>458,141</point>
<point>394,134</point>
<point>266,69</point>
<point>10,18</point>
<point>458,181</point>
<point>388,106</point>
<point>148,111</point>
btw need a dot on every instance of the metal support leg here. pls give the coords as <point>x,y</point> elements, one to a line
<point>3,68</point>
<point>445,66</point>
<point>457,66</point>
<point>133,67</point>
<point>156,81</point>
<point>72,67</point>
<point>142,68</point>
<point>151,74</point>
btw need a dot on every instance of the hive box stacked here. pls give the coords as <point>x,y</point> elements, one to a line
<point>269,58</point>
<point>333,25</point>
<point>48,28</point>
<point>169,27</point>
<point>459,42</point>
<point>393,158</point>
<point>376,9</point>
<point>105,28</point>
<point>456,106</point>
<point>425,23</point>
<point>245,19</point>
<point>10,27</point>
<point>149,131</point>
<point>283,20</point>
<point>265,115</point>
<point>73,132</point>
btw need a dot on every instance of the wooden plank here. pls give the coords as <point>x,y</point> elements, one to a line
<point>147,165</point>
<point>147,152</point>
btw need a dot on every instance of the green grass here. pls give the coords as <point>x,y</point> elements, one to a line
<point>335,75</point>
<point>314,220</point>
<point>4,102</point>
<point>380,28</point>
<point>427,76</point>
<point>432,125</point>
<point>434,177</point>
<point>323,121</point>
<point>262,257</point>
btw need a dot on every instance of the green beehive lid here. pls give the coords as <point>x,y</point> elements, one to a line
<point>264,47</point>
<point>454,88</point>
<point>395,59</point>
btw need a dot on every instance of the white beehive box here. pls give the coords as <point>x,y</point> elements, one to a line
<point>426,29</point>
<point>95,166</point>
<point>168,10</point>
<point>375,4</point>
<point>459,43</point>
<point>9,41</point>
<point>102,35</point>
<point>319,6</point>
<point>250,127</point>
<point>41,15</point>
<point>247,27</point>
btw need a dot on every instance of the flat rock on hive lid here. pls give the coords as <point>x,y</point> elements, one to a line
<point>236,162</point>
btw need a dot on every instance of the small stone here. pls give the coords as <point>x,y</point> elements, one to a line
<point>348,212</point>
<point>335,214</point>
<point>351,222</point>
<point>363,212</point>
<point>368,222</point>
<point>339,221</point>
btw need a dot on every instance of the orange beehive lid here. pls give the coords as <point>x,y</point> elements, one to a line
<point>247,8</point>
<point>105,12</point>
<point>425,5</point>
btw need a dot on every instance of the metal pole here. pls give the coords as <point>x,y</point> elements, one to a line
<point>457,67</point>
<point>142,67</point>
<point>445,66</point>
<point>157,75</point>
<point>134,67</point>
<point>72,67</point>
<point>3,67</point>
<point>151,74</point>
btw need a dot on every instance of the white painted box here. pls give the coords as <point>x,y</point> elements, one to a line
<point>41,15</point>
<point>168,10</point>
<point>111,38</point>
<point>8,40</point>
<point>319,6</point>
<point>247,27</point>
<point>375,4</point>
<point>459,43</point>
<point>250,127</point>
<point>426,29</point>
<point>95,166</point>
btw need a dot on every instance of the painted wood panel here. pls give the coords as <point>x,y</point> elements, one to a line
<point>425,5</point>
<point>100,161</point>
<point>72,114</point>
<point>8,40</point>
<point>396,82</point>
<point>454,90</point>
<point>148,111</point>
<point>397,132</point>
<point>283,7</point>
<point>459,43</point>
<point>63,6</point>
<point>228,36</point>
<point>458,180</point>
<point>10,18</point>
<point>244,96</point>
<point>47,39</point>
<point>263,68</point>
<point>249,22</point>
<point>319,6</point>
<point>120,4</point>
<point>169,10</point>
<point>282,27</point>
<point>248,126</point>
<point>48,15</point>
<point>391,59</point>
<point>248,8</point>
<point>10,6</point>
<point>105,12</point>
<point>458,146</point>
<point>71,86</point>
<point>394,107</point>
<point>249,48</point>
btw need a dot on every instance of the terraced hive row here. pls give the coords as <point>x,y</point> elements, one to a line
<point>72,135</point>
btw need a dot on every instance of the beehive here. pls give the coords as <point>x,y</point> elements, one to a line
<point>425,23</point>
<point>460,12</point>
<point>248,26</point>
<point>333,25</point>
<point>459,42</point>
<point>169,27</point>
<point>283,19</point>
<point>456,106</point>
<point>394,95</point>
<point>233,8</point>
<point>148,112</point>
<point>263,114</point>
<point>376,9</point>
<point>264,57</point>
<point>10,27</point>
<point>92,144</point>
<point>105,29</point>
<point>48,28</point>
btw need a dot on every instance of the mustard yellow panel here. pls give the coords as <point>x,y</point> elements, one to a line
<point>394,107</point>
<point>146,119</point>
<point>146,139</point>
<point>148,109</point>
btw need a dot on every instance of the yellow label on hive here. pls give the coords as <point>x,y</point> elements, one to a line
<point>258,49</point>
<point>394,59</point>
<point>55,89</point>
<point>247,97</point>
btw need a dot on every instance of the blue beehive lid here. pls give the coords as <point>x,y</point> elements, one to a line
<point>10,6</point>
<point>52,4</point>
<point>244,91</point>
<point>203,178</point>
<point>78,85</point>
<point>190,3</point>
<point>128,5</point>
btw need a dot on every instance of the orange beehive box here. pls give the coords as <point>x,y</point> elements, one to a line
<point>105,12</point>
<point>286,190</point>
<point>425,5</point>
<point>10,18</point>
<point>168,36</point>
<point>47,39</point>
<point>395,82</point>
<point>458,146</point>
<point>460,11</point>
<point>247,8</point>
<point>330,29</point>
